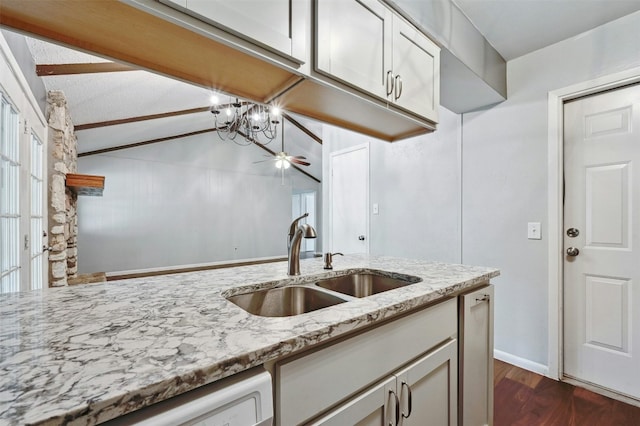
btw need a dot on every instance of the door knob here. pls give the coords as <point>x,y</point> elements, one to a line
<point>361,237</point>
<point>573,232</point>
<point>572,251</point>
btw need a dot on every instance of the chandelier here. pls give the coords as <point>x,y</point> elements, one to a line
<point>254,123</point>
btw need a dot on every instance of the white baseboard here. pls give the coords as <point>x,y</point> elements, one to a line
<point>521,362</point>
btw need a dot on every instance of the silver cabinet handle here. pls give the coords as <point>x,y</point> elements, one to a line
<point>409,409</point>
<point>361,237</point>
<point>483,298</point>
<point>398,87</point>
<point>572,251</point>
<point>396,409</point>
<point>390,83</point>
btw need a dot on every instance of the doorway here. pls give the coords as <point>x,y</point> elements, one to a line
<point>305,202</point>
<point>349,200</point>
<point>601,271</point>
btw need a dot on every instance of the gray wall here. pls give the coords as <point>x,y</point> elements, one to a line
<point>505,177</point>
<point>181,203</point>
<point>416,183</point>
<point>21,52</point>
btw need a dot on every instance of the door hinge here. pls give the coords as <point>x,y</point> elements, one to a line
<point>26,127</point>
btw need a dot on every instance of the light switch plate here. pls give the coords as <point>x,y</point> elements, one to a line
<point>375,208</point>
<point>533,231</point>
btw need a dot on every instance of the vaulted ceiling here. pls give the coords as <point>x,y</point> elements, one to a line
<point>114,109</point>
<point>97,97</point>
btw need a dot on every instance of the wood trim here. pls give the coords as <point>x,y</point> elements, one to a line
<point>88,126</point>
<point>302,128</point>
<point>45,70</point>
<point>85,184</point>
<point>149,142</point>
<point>191,269</point>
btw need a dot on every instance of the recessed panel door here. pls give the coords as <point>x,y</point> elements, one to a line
<point>602,261</point>
<point>353,43</point>
<point>416,68</point>
<point>349,200</point>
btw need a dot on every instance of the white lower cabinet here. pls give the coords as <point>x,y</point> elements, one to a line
<point>357,379</point>
<point>423,393</point>
<point>476,357</point>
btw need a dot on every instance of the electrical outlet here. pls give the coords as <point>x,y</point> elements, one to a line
<point>533,231</point>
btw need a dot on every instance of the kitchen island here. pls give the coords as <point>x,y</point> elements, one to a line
<point>91,353</point>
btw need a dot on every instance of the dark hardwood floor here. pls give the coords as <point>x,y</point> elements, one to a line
<point>525,398</point>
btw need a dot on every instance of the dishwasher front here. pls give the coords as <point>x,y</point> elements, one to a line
<point>244,399</point>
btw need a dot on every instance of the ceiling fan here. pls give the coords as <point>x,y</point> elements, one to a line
<point>282,159</point>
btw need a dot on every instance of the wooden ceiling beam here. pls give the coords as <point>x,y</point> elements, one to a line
<point>47,70</point>
<point>87,126</point>
<point>302,128</point>
<point>148,142</point>
<point>184,135</point>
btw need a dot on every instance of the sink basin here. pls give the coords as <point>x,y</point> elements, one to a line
<point>284,301</point>
<point>365,284</point>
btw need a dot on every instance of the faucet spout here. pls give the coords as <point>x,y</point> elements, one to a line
<point>293,227</point>
<point>303,231</point>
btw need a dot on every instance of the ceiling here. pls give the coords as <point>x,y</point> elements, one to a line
<point>517,27</point>
<point>107,96</point>
<point>513,27</point>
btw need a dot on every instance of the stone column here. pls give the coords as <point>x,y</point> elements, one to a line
<point>63,220</point>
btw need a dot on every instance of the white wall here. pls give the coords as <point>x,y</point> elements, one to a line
<point>505,177</point>
<point>416,184</point>
<point>187,201</point>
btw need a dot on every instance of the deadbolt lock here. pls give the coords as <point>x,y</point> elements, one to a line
<point>573,232</point>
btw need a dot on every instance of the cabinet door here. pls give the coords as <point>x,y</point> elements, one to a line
<point>271,23</point>
<point>416,71</point>
<point>476,357</point>
<point>428,388</point>
<point>353,43</point>
<point>374,407</point>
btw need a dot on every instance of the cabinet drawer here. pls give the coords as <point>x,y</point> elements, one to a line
<point>309,384</point>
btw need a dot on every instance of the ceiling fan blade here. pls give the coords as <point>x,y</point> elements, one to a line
<point>296,161</point>
<point>299,157</point>
<point>264,161</point>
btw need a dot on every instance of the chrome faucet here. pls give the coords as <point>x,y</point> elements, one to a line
<point>296,233</point>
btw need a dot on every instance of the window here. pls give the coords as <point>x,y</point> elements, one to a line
<point>37,219</point>
<point>23,181</point>
<point>9,197</point>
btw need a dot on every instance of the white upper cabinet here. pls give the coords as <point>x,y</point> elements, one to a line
<point>278,25</point>
<point>353,42</point>
<point>364,44</point>
<point>416,71</point>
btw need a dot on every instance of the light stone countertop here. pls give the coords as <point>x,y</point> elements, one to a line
<point>86,354</point>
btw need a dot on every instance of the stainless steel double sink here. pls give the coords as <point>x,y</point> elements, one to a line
<point>300,299</point>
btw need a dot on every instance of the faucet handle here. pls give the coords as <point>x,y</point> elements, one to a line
<point>328,258</point>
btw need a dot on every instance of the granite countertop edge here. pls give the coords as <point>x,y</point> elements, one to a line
<point>178,332</point>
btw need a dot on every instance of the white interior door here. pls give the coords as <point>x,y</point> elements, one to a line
<point>602,263</point>
<point>349,200</point>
